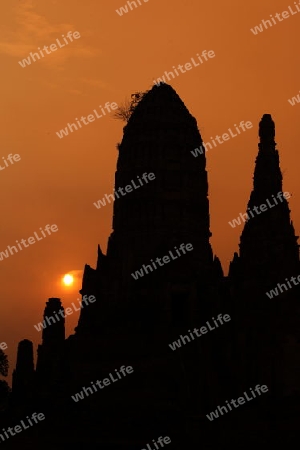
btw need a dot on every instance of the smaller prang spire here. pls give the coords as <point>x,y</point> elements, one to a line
<point>268,243</point>
<point>54,331</point>
<point>267,173</point>
<point>23,375</point>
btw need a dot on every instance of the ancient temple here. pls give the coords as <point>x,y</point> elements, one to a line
<point>134,320</point>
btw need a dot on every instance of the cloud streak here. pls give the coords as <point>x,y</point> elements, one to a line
<point>34,30</point>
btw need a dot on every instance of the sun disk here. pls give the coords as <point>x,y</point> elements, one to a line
<point>68,280</point>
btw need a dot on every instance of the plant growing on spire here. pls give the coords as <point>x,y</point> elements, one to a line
<point>126,109</point>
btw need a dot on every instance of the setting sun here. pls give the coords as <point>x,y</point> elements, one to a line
<point>68,280</point>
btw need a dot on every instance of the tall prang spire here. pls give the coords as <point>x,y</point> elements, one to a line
<point>160,203</point>
<point>160,206</point>
<point>173,207</point>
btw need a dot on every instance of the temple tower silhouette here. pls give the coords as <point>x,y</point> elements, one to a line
<point>155,217</point>
<point>268,246</point>
<point>268,255</point>
<point>23,375</point>
<point>50,352</point>
<point>138,317</point>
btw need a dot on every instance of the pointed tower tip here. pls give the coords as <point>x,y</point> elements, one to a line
<point>267,128</point>
<point>266,117</point>
<point>162,84</point>
<point>100,259</point>
<point>159,104</point>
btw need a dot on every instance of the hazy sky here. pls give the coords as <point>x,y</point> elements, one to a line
<point>57,180</point>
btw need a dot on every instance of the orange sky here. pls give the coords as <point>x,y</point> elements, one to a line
<point>57,180</point>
